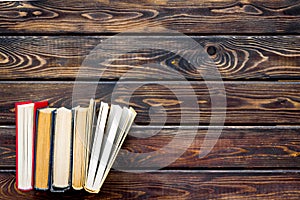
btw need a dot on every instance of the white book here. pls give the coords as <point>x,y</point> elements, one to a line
<point>116,130</point>
<point>62,149</point>
<point>98,138</point>
<point>129,117</point>
<point>25,145</point>
<point>110,134</point>
<point>89,132</point>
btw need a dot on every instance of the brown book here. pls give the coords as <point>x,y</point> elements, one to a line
<point>79,147</point>
<point>43,147</point>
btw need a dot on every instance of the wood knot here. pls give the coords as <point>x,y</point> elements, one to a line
<point>211,50</point>
<point>295,154</point>
<point>282,100</point>
<point>239,9</point>
<point>23,14</point>
<point>37,12</point>
<point>279,103</point>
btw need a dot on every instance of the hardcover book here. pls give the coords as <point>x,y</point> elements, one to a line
<point>62,148</point>
<point>44,135</point>
<point>25,142</point>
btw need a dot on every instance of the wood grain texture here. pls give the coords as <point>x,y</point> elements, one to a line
<point>159,102</point>
<point>8,147</point>
<point>237,147</point>
<point>44,43</point>
<point>236,57</point>
<point>74,16</point>
<point>175,185</point>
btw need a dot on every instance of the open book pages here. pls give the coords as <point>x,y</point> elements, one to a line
<point>90,132</point>
<point>98,137</point>
<point>121,137</point>
<point>118,125</point>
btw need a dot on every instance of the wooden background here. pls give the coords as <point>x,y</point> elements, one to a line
<point>254,43</point>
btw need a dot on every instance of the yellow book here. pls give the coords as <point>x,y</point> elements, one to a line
<point>43,146</point>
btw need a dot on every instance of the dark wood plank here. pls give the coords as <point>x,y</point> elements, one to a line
<point>176,185</point>
<point>247,102</point>
<point>236,57</point>
<point>237,147</point>
<point>74,16</point>
<point>8,147</point>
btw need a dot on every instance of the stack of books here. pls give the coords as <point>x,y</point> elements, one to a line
<point>60,148</point>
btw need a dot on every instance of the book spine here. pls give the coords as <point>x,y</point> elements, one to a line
<point>17,150</point>
<point>35,145</point>
<point>52,152</point>
<point>71,149</point>
<point>51,148</point>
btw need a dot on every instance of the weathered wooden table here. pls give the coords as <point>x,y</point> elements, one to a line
<point>255,45</point>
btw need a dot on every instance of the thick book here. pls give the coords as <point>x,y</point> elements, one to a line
<point>127,118</point>
<point>96,147</point>
<point>125,125</point>
<point>44,134</point>
<point>79,147</point>
<point>82,135</point>
<point>109,137</point>
<point>25,141</point>
<point>62,151</point>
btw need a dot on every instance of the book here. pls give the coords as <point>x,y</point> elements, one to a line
<point>79,147</point>
<point>127,118</point>
<point>62,150</point>
<point>90,132</point>
<point>117,127</point>
<point>94,158</point>
<point>83,132</point>
<point>25,142</point>
<point>44,132</point>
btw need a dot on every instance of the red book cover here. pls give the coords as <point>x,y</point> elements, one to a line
<point>16,113</point>
<point>37,105</point>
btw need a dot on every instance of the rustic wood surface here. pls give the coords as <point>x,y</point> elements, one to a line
<point>177,185</point>
<point>74,16</point>
<point>254,44</point>
<point>236,57</point>
<point>238,147</point>
<point>247,102</point>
